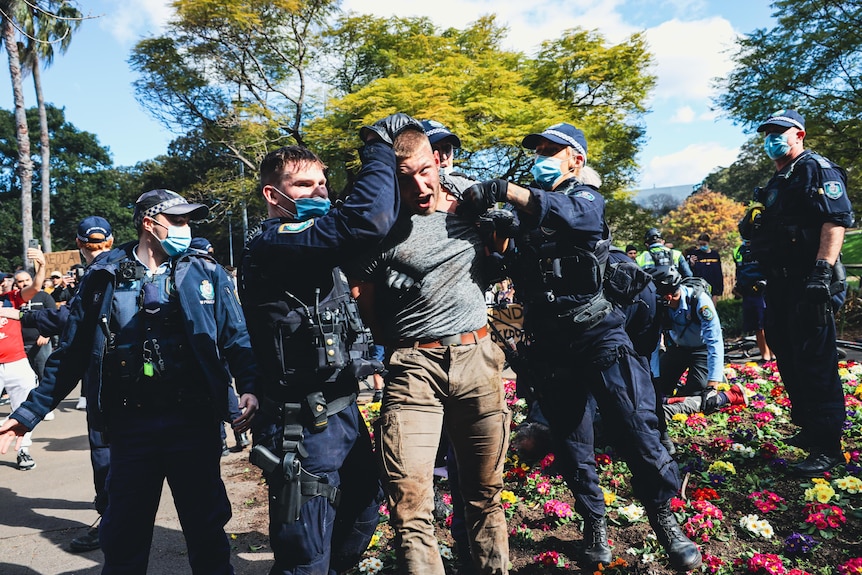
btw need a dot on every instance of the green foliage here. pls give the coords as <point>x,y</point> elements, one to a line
<point>490,97</point>
<point>84,183</point>
<point>730,314</point>
<point>810,60</point>
<point>627,220</point>
<point>751,168</point>
<point>706,212</point>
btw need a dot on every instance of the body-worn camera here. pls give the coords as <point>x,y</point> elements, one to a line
<point>130,271</point>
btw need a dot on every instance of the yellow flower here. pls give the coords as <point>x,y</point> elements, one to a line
<point>680,417</point>
<point>858,392</point>
<point>610,496</point>
<point>507,496</point>
<point>722,466</point>
<point>819,480</point>
<point>821,492</point>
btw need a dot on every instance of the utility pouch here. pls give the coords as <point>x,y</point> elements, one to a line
<point>124,364</point>
<point>317,408</point>
<point>590,314</point>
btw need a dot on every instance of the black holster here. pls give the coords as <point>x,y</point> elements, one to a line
<point>285,499</point>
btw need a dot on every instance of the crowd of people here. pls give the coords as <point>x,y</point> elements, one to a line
<point>158,332</point>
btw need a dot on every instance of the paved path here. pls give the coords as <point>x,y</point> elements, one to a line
<point>41,510</point>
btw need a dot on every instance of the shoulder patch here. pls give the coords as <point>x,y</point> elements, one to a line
<point>833,189</point>
<point>705,313</point>
<point>207,291</point>
<point>295,227</point>
<point>584,194</point>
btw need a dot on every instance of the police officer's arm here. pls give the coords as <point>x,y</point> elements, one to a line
<point>683,267</point>
<point>48,321</point>
<point>235,345</point>
<point>710,331</point>
<point>367,215</point>
<point>63,370</point>
<point>831,240</point>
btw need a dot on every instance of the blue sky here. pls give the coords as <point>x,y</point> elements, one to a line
<point>690,40</point>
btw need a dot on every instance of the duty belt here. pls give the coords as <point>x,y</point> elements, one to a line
<point>466,338</point>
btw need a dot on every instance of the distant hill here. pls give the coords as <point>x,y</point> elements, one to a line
<point>666,196</point>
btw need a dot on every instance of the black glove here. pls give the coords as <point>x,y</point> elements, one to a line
<point>817,285</point>
<point>389,127</point>
<point>503,222</point>
<point>476,199</point>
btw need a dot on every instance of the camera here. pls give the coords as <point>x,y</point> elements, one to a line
<point>34,243</point>
<point>130,271</point>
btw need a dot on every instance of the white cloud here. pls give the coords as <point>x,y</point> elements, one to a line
<point>529,24</point>
<point>131,20</point>
<point>688,55</point>
<point>683,115</point>
<point>689,165</point>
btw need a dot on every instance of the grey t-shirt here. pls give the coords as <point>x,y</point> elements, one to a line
<point>442,252</point>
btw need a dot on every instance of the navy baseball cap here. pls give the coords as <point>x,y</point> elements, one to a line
<point>94,230</point>
<point>437,132</point>
<point>201,244</point>
<point>785,119</point>
<point>563,134</point>
<point>155,202</point>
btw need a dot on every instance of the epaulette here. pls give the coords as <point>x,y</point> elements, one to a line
<point>824,162</point>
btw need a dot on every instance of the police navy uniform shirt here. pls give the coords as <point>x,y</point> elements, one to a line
<point>689,331</point>
<point>808,192</point>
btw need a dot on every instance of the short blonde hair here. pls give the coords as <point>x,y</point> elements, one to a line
<point>408,143</point>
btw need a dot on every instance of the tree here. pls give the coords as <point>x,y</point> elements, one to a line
<point>627,220</point>
<point>22,133</point>
<point>236,71</point>
<point>84,183</point>
<point>705,212</point>
<point>42,29</point>
<point>751,168</point>
<point>490,97</point>
<point>811,60</point>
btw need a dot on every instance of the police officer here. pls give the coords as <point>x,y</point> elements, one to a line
<point>151,328</point>
<point>310,438</point>
<point>657,254</point>
<point>805,210</point>
<point>576,335</point>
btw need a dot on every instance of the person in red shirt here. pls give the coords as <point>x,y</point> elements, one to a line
<point>16,375</point>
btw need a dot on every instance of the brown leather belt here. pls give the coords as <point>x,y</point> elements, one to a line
<point>467,338</point>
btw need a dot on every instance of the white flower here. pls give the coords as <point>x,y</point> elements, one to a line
<point>370,565</point>
<point>648,557</point>
<point>445,552</point>
<point>757,526</point>
<point>743,450</point>
<point>631,512</point>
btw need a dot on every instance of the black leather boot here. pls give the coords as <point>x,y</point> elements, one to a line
<point>596,547</point>
<point>682,553</point>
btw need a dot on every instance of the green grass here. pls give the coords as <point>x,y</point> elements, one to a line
<point>851,252</point>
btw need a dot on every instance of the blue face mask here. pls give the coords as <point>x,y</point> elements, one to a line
<point>306,208</point>
<point>178,240</point>
<point>703,248</point>
<point>546,171</point>
<point>776,146</point>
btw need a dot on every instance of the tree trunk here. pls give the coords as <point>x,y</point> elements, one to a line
<point>25,165</point>
<point>45,148</point>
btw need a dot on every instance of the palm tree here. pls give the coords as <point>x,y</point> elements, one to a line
<point>22,133</point>
<point>44,28</point>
